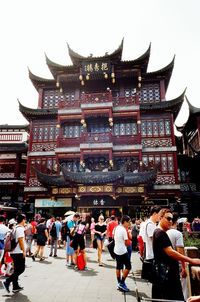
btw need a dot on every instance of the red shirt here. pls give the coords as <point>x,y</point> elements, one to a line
<point>111,225</point>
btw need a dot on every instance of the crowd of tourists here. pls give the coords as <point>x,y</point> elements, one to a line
<point>158,242</point>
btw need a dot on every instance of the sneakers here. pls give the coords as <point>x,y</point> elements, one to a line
<point>76,268</point>
<point>6,286</point>
<point>17,289</point>
<point>33,257</point>
<point>50,255</point>
<point>123,287</point>
<point>55,255</point>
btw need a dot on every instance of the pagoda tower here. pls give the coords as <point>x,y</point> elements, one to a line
<point>102,137</point>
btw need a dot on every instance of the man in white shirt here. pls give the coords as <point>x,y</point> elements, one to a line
<point>121,253</point>
<point>18,255</point>
<point>149,230</point>
<point>3,231</point>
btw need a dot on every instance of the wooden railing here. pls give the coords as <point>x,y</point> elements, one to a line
<point>96,138</point>
<point>94,98</point>
<point>107,137</point>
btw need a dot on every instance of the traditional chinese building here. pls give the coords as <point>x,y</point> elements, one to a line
<point>13,150</point>
<point>102,137</point>
<point>189,163</point>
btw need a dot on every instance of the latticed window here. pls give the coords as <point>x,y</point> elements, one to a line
<point>69,96</point>
<point>47,132</point>
<point>149,93</point>
<point>167,127</point>
<point>129,92</point>
<point>160,127</point>
<point>166,161</point>
<point>170,164</point>
<point>72,131</point>
<point>45,165</point>
<point>125,128</point>
<point>51,98</point>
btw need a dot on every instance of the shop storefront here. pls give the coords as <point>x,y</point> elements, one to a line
<point>47,207</point>
<point>93,206</point>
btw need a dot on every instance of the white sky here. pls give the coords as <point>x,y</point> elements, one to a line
<point>30,28</point>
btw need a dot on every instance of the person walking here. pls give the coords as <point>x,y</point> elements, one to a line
<point>164,255</point>
<point>135,232</point>
<point>70,230</point>
<point>3,231</point>
<point>18,256</point>
<point>79,244</point>
<point>92,231</point>
<point>123,264</point>
<point>42,238</point>
<point>111,226</point>
<point>54,234</point>
<point>100,233</point>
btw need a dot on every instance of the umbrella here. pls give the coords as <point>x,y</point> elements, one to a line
<point>69,217</point>
<point>69,213</point>
<point>182,220</point>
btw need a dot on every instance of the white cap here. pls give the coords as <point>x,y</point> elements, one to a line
<point>12,221</point>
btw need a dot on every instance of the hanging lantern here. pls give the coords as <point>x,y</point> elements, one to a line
<point>84,125</point>
<point>112,75</point>
<point>80,77</point>
<point>87,77</point>
<point>61,90</point>
<point>113,80</point>
<point>105,75</point>
<point>82,121</point>
<point>82,83</point>
<point>139,85</point>
<point>57,84</point>
<point>139,78</point>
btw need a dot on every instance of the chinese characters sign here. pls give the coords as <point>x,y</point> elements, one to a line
<point>100,202</point>
<point>92,67</point>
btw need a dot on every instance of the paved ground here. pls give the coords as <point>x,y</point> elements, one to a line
<point>52,281</point>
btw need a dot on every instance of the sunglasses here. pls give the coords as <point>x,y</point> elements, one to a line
<point>169,218</point>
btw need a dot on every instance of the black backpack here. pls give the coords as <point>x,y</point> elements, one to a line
<point>53,231</point>
<point>67,230</point>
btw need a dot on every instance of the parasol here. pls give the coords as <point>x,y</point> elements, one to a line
<point>182,220</point>
<point>69,217</point>
<point>69,213</point>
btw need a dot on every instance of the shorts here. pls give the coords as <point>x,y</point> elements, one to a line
<point>79,241</point>
<point>123,260</point>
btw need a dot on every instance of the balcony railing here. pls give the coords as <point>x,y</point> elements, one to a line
<point>95,98</point>
<point>96,138</point>
<point>126,140</point>
<point>67,141</point>
<point>122,101</point>
<point>69,104</point>
<point>107,137</point>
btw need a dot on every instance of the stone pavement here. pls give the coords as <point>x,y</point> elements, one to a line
<point>52,281</point>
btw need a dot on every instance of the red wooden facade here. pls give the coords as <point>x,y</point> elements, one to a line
<point>95,118</point>
<point>13,151</point>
